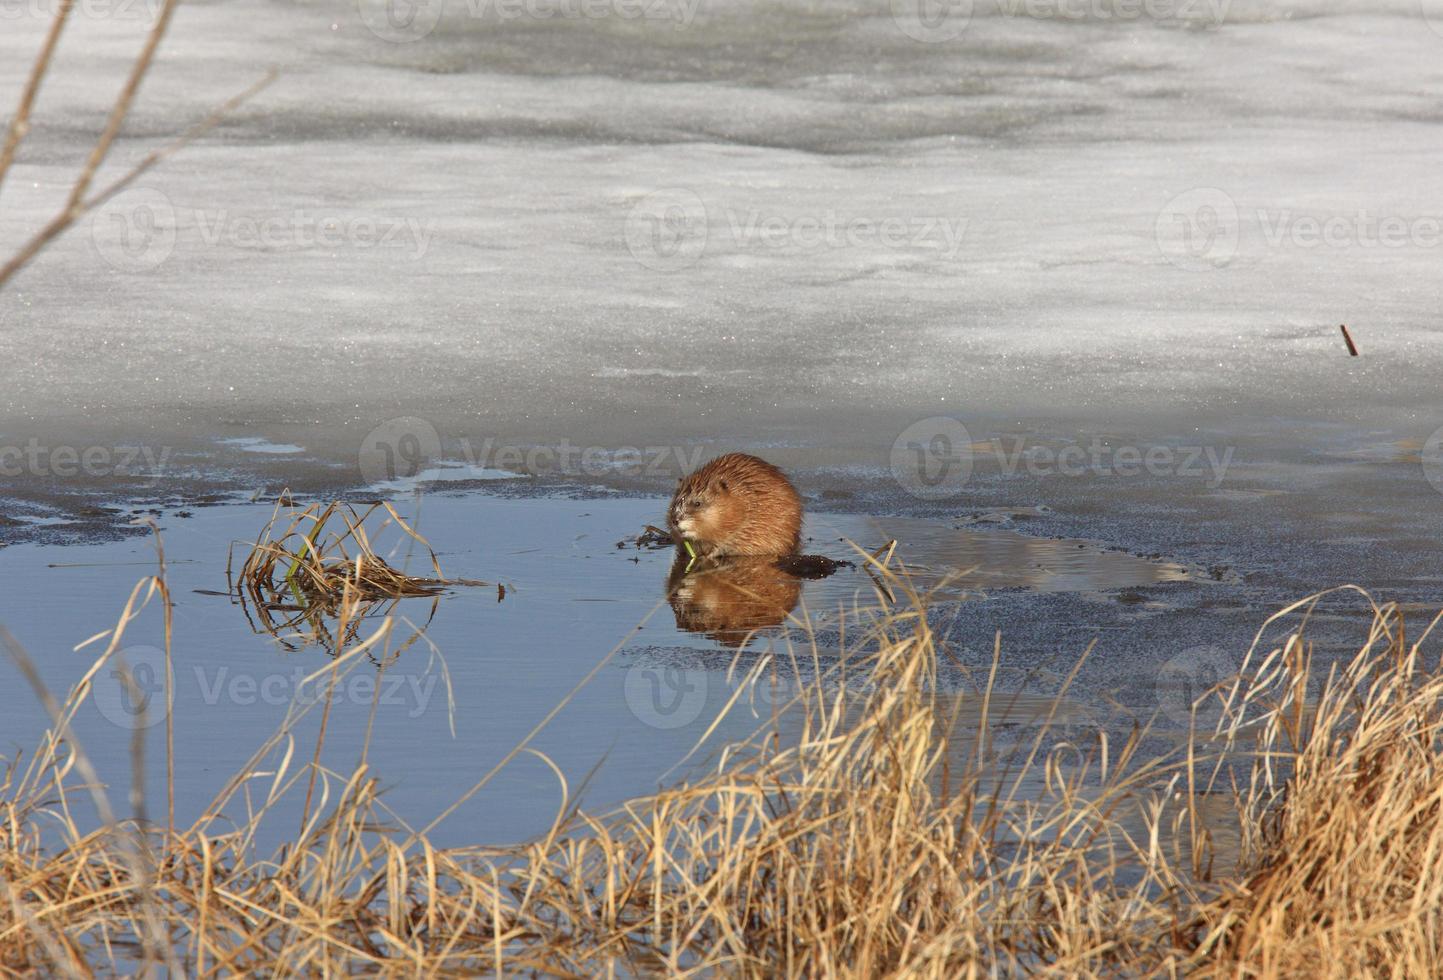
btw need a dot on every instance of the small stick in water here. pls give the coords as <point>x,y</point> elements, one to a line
<point>1347,339</point>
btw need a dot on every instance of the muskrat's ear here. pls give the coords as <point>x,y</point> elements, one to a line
<point>723,485</point>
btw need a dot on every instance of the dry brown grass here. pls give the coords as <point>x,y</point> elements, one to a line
<point>1342,812</point>
<point>857,834</point>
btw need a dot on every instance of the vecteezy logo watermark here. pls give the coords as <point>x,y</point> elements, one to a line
<point>833,230</point>
<point>1098,458</point>
<point>35,459</point>
<point>1198,229</point>
<point>572,460</point>
<point>140,10</point>
<point>129,691</point>
<point>665,697</point>
<point>932,21</point>
<point>1358,229</point>
<point>932,459</point>
<point>1192,12</point>
<point>1431,457</point>
<point>667,230</point>
<point>1432,15</point>
<point>139,229</point>
<point>400,21</point>
<point>135,231</point>
<point>680,13</point>
<point>1205,229</point>
<point>1189,682</point>
<point>397,449</point>
<point>301,229</point>
<point>390,689</point>
<point>403,21</point>
<point>404,448</point>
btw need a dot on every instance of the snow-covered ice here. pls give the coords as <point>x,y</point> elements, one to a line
<point>832,226</point>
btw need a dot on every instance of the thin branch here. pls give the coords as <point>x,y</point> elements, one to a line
<point>121,109</point>
<point>68,217</point>
<point>20,125</point>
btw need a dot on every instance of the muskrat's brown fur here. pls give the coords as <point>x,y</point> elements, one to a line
<point>737,505</point>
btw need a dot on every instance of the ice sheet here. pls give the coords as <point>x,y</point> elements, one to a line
<point>871,228</point>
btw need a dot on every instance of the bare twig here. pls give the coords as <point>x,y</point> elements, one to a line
<point>20,125</point>
<point>75,211</point>
<point>121,109</point>
<point>1348,339</point>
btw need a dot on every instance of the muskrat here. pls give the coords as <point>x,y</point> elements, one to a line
<point>737,505</point>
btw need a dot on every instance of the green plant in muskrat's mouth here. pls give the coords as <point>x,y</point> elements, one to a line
<point>322,564</point>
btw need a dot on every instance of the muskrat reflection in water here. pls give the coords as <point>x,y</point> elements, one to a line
<point>728,600</point>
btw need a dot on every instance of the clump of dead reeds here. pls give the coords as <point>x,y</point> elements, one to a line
<point>859,833</point>
<point>1342,811</point>
<point>315,565</point>
<point>311,560</point>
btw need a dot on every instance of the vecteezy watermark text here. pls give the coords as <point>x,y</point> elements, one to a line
<point>1209,12</point>
<point>407,447</point>
<point>302,229</point>
<point>670,229</point>
<point>142,10</point>
<point>678,12</point>
<point>139,230</point>
<point>665,696</point>
<point>936,21</point>
<point>406,21</point>
<point>1097,458</point>
<point>1204,228</point>
<point>360,687</point>
<point>933,458</point>
<point>572,460</point>
<point>130,691</point>
<point>37,459</point>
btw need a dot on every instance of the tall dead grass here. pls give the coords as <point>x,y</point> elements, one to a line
<point>1341,812</point>
<point>859,833</point>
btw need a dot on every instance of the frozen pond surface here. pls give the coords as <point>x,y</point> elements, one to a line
<point>1114,249</point>
<point>762,224</point>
